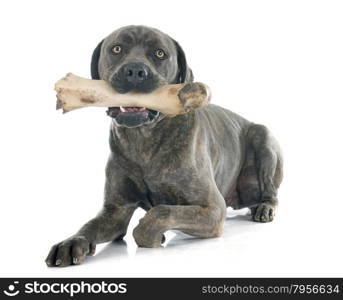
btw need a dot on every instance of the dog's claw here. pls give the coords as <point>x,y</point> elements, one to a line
<point>58,262</point>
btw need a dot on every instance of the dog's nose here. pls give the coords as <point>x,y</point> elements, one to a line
<point>136,73</point>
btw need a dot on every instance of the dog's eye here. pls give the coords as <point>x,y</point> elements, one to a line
<point>116,49</point>
<point>159,53</point>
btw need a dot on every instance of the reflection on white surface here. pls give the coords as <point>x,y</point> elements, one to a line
<point>176,241</point>
<point>294,244</point>
<point>180,249</point>
<point>288,246</point>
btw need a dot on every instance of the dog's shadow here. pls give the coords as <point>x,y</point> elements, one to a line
<point>118,249</point>
<point>236,223</point>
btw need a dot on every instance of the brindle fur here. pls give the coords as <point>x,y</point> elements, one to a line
<point>184,171</point>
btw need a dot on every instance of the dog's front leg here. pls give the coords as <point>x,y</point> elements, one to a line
<point>111,223</point>
<point>200,221</point>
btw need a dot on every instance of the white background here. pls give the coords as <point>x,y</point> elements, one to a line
<point>279,63</point>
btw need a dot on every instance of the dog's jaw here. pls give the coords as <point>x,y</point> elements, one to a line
<point>132,117</point>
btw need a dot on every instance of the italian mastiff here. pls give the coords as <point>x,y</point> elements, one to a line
<point>184,171</point>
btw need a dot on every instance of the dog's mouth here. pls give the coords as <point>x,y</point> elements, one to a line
<point>113,112</point>
<point>132,116</point>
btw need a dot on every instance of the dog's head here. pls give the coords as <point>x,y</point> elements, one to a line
<point>140,59</point>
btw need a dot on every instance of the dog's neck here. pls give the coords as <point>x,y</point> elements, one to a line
<point>147,141</point>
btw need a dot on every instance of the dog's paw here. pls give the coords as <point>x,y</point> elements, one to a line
<point>194,95</point>
<point>147,238</point>
<point>148,232</point>
<point>265,212</point>
<point>71,251</point>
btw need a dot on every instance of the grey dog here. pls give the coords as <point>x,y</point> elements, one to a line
<point>184,171</point>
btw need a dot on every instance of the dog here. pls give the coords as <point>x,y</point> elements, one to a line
<point>184,171</point>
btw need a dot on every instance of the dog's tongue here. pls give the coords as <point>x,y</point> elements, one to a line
<point>131,109</point>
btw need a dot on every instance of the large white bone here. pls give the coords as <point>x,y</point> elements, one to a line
<point>76,92</point>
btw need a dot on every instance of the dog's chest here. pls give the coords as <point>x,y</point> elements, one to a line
<point>165,193</point>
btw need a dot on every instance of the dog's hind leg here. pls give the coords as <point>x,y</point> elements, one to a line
<point>261,174</point>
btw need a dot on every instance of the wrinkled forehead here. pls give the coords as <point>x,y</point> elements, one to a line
<point>139,35</point>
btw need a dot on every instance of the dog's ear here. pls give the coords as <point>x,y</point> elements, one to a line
<point>185,74</point>
<point>95,61</point>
